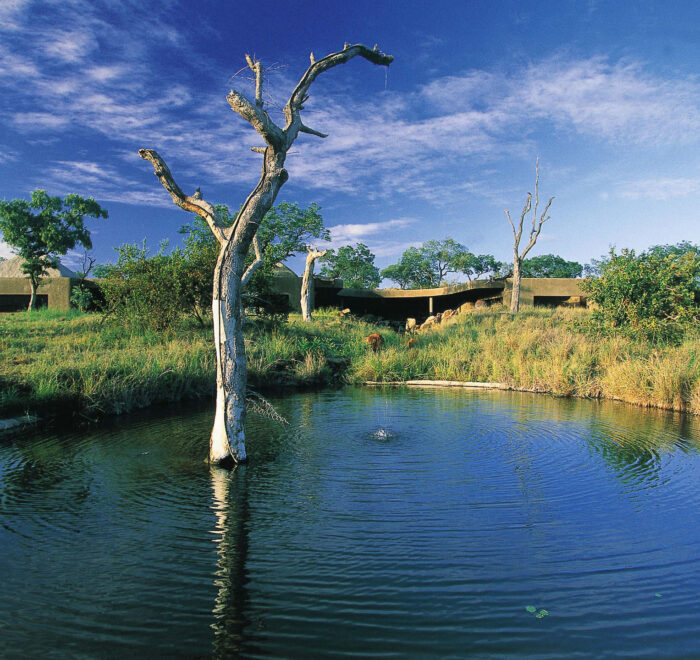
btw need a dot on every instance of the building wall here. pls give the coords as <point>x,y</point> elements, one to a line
<point>58,290</point>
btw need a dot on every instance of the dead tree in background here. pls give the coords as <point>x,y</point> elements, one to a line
<point>534,235</point>
<point>307,282</point>
<point>227,443</point>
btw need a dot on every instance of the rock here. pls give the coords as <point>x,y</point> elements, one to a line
<point>447,314</point>
<point>411,325</point>
<point>480,304</point>
<point>344,312</point>
<point>466,307</point>
<point>430,321</point>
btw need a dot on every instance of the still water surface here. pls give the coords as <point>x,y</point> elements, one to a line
<point>380,523</point>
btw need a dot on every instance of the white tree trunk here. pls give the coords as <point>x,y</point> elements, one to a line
<point>227,442</point>
<point>307,283</point>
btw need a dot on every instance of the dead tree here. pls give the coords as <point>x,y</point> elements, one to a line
<point>227,443</point>
<point>534,235</point>
<point>307,282</point>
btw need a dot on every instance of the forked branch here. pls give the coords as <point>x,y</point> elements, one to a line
<point>192,203</point>
<point>317,67</point>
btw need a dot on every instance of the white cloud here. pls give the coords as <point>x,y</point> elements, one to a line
<point>5,250</point>
<point>659,188</point>
<point>358,233</point>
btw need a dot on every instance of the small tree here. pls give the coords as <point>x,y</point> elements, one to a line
<point>354,265</point>
<point>534,235</point>
<point>43,228</point>
<point>227,441</point>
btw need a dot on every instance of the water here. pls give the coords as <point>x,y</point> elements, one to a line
<point>380,523</point>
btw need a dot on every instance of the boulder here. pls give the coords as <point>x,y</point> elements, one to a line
<point>411,325</point>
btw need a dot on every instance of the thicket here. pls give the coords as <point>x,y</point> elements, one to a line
<point>652,295</point>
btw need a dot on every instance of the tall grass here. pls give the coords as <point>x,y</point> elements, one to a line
<point>551,351</point>
<point>63,363</point>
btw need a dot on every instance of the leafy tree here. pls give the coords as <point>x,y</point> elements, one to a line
<point>550,265</point>
<point>428,265</point>
<point>476,265</point>
<point>441,255</point>
<point>354,265</point>
<point>651,294</point>
<point>679,249</point>
<point>45,227</point>
<point>413,271</point>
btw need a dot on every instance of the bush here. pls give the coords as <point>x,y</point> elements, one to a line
<point>652,294</point>
<point>145,291</point>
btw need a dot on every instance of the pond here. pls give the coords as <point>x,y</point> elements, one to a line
<point>386,523</point>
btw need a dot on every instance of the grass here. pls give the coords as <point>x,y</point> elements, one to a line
<point>66,363</point>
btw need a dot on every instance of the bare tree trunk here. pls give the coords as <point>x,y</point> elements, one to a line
<point>515,294</point>
<point>534,235</point>
<point>32,295</point>
<point>307,283</point>
<point>227,442</point>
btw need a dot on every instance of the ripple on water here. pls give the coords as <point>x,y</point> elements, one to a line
<point>376,523</point>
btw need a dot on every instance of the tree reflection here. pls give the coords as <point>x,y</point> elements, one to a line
<point>230,505</point>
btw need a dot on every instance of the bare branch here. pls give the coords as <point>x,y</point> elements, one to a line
<point>256,67</point>
<point>296,100</point>
<point>191,203</point>
<point>259,150</point>
<point>250,271</point>
<point>534,236</point>
<point>305,129</point>
<point>258,119</point>
<point>312,58</point>
<point>511,224</point>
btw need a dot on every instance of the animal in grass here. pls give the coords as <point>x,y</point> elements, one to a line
<point>412,342</point>
<point>375,340</point>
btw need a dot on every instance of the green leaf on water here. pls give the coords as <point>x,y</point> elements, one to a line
<point>541,614</point>
<point>531,608</point>
<point>658,595</point>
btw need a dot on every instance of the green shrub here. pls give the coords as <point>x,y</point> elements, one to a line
<point>651,294</point>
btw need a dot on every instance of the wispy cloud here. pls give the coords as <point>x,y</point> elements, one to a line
<point>359,233</point>
<point>96,78</point>
<point>659,188</point>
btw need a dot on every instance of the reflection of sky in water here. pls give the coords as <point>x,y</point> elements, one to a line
<point>416,523</point>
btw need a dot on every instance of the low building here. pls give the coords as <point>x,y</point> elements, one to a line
<point>54,290</point>
<point>399,304</point>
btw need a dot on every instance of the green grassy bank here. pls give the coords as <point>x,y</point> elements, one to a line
<point>64,364</point>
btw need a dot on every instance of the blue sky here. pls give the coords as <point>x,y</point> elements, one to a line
<point>607,94</point>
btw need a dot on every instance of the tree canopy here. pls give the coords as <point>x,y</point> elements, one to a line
<point>41,229</point>
<point>475,266</point>
<point>426,266</point>
<point>550,265</point>
<point>354,265</point>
